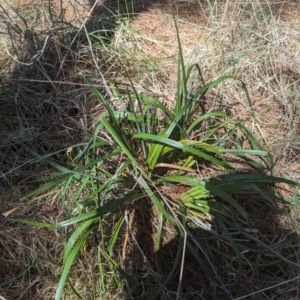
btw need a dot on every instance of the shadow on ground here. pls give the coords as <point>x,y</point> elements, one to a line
<point>45,103</point>
<point>257,274</point>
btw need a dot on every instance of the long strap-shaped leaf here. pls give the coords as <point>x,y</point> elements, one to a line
<point>119,140</point>
<point>263,245</point>
<point>106,208</point>
<point>69,261</point>
<point>182,146</point>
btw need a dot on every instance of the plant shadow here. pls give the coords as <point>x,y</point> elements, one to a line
<point>218,273</point>
<point>45,103</point>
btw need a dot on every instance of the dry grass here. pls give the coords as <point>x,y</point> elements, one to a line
<point>46,106</point>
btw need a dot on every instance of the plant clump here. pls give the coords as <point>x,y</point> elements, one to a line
<point>139,196</point>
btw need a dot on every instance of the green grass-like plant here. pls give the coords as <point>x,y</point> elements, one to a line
<point>148,146</point>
